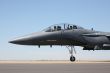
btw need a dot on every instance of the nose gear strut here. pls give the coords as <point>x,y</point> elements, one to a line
<point>71,51</point>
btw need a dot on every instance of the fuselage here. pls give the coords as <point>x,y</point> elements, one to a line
<point>67,35</point>
<point>63,37</point>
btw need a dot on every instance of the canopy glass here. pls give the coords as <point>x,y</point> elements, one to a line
<point>62,26</point>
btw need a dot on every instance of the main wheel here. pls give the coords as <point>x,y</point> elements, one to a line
<point>72,58</point>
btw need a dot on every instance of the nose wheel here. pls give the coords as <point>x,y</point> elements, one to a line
<point>72,58</point>
<point>71,50</point>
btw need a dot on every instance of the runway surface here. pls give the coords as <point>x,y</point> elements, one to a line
<point>55,67</point>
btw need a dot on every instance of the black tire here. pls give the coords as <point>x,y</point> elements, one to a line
<point>72,58</point>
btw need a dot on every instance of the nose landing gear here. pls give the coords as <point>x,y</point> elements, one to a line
<point>72,58</point>
<point>71,50</point>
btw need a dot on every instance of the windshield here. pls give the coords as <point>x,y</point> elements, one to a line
<point>63,26</point>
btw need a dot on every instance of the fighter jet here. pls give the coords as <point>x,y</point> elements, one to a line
<point>68,35</point>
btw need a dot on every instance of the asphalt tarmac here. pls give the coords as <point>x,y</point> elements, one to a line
<point>55,68</point>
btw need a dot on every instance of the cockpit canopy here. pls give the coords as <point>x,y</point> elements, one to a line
<point>63,26</point>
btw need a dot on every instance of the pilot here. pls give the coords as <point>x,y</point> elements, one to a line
<point>71,27</point>
<point>74,27</point>
<point>58,27</point>
<point>68,27</point>
<point>55,28</point>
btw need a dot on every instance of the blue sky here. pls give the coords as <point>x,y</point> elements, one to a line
<point>21,17</point>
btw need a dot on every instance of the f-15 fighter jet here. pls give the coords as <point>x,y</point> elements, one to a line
<point>69,35</point>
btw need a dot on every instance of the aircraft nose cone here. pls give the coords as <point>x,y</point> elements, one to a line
<point>14,41</point>
<point>17,41</point>
<point>11,41</point>
<point>34,38</point>
<point>21,40</point>
<point>27,39</point>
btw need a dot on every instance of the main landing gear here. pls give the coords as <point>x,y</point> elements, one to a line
<point>71,50</point>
